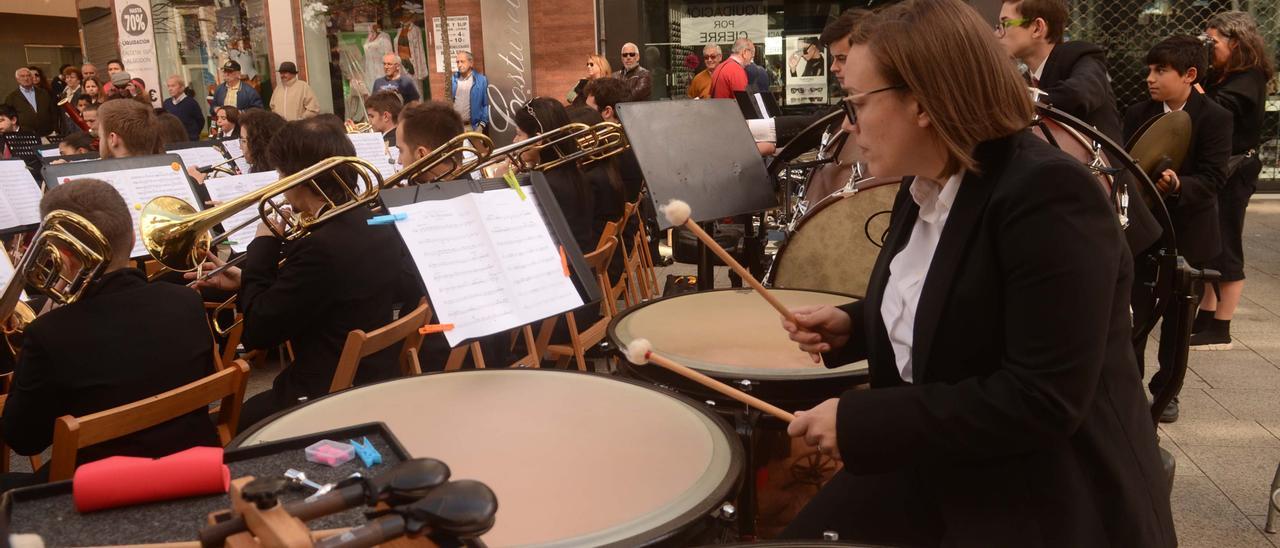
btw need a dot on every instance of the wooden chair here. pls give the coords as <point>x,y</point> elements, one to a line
<point>360,345</point>
<point>532,358</point>
<point>635,288</point>
<point>581,340</point>
<point>648,274</point>
<point>616,292</point>
<point>72,433</point>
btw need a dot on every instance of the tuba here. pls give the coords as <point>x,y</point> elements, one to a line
<point>177,235</point>
<point>66,255</point>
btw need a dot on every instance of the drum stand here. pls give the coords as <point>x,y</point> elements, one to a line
<point>1180,292</point>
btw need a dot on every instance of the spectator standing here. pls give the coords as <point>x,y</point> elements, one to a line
<point>470,93</point>
<point>294,100</point>
<point>34,105</point>
<point>184,106</point>
<point>637,78</point>
<point>396,80</point>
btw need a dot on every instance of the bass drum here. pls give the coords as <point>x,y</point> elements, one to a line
<point>834,246</point>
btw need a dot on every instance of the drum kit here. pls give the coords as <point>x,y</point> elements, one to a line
<point>650,457</point>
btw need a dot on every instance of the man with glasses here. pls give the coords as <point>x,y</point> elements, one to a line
<point>700,87</point>
<point>638,78</point>
<point>232,92</point>
<point>1073,75</point>
<point>731,76</point>
<point>812,55</point>
<point>395,80</point>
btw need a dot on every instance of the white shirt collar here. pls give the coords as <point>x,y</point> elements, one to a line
<point>935,201</point>
<point>179,98</point>
<point>1168,110</point>
<point>1035,73</point>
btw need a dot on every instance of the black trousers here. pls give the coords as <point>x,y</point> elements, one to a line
<point>1142,297</point>
<point>875,509</point>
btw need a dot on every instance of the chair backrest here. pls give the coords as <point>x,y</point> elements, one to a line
<point>360,345</point>
<point>227,352</point>
<point>599,261</point>
<point>70,433</point>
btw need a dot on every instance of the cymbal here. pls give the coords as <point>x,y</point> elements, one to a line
<point>1165,136</point>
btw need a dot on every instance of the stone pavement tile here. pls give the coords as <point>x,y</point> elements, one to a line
<point>1242,473</point>
<point>1195,404</point>
<point>1234,369</point>
<point>1220,433</point>
<point>1184,465</point>
<point>1248,404</point>
<point>1205,518</point>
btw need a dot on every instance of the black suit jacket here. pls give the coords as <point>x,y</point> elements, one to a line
<point>1075,79</point>
<point>125,340</point>
<point>42,120</point>
<point>1026,424</point>
<point>1194,208</point>
<point>345,275</point>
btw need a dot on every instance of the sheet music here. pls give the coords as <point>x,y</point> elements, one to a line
<point>224,189</point>
<point>6,273</point>
<point>139,186</point>
<point>21,195</point>
<point>371,148</point>
<point>233,149</point>
<point>488,262</point>
<point>50,152</point>
<point>199,156</point>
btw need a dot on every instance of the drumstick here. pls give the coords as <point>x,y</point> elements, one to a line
<point>678,212</point>
<point>640,352</point>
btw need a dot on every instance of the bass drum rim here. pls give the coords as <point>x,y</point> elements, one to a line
<point>685,526</point>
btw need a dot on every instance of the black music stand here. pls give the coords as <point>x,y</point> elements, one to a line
<point>701,152</point>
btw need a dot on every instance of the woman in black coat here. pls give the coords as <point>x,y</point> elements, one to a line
<point>1006,408</point>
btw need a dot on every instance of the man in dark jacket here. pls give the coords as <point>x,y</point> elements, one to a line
<point>123,341</point>
<point>36,108</point>
<point>233,91</point>
<point>184,107</point>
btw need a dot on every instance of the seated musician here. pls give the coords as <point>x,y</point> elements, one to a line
<point>76,143</point>
<point>572,193</point>
<point>383,109</point>
<point>603,176</point>
<point>1005,408</point>
<point>127,128</point>
<point>1191,193</point>
<point>345,275</point>
<point>424,127</point>
<point>123,341</point>
<point>257,128</point>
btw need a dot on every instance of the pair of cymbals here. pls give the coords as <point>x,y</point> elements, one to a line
<point>1164,137</point>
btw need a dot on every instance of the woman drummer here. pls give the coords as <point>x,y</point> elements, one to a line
<point>1005,406</point>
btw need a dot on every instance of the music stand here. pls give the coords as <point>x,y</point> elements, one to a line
<point>701,152</point>
<point>580,273</point>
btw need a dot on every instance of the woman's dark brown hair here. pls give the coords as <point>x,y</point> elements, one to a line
<point>1248,50</point>
<point>262,127</point>
<point>301,143</point>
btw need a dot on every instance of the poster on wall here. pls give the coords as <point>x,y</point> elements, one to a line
<point>723,24</point>
<point>805,70</point>
<point>459,39</point>
<point>138,44</point>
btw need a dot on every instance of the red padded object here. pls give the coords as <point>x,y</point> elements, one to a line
<point>122,481</point>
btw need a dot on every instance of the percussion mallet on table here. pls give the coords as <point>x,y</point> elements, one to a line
<point>679,213</point>
<point>640,352</point>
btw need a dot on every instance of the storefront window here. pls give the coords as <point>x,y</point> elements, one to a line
<point>345,41</point>
<point>785,34</point>
<point>194,39</point>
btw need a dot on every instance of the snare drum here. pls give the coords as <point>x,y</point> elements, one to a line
<point>834,246</point>
<point>575,459</point>
<point>735,336</point>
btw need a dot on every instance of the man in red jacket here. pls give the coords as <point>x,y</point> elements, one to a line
<point>730,76</point>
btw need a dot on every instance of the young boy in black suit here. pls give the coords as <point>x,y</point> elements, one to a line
<point>124,340</point>
<point>1191,192</point>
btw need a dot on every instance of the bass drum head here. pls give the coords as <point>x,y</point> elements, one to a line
<point>575,459</point>
<point>835,246</point>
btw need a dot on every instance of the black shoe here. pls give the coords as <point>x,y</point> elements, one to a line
<point>1202,321</point>
<point>661,260</point>
<point>1215,337</point>
<point>1170,413</point>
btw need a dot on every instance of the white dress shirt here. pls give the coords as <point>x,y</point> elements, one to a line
<point>909,267</point>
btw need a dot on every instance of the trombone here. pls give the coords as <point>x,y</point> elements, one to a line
<point>605,140</point>
<point>513,152</point>
<point>66,255</point>
<point>177,235</point>
<point>477,144</point>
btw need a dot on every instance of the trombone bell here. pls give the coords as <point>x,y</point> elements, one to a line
<point>166,237</point>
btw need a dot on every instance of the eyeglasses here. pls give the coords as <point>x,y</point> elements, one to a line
<point>528,107</point>
<point>631,54</point>
<point>851,113</point>
<point>713,56</point>
<point>1005,24</point>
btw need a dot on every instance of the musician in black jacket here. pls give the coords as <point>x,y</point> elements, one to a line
<point>123,341</point>
<point>1191,193</point>
<point>345,275</point>
<point>1005,408</point>
<point>1241,70</point>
